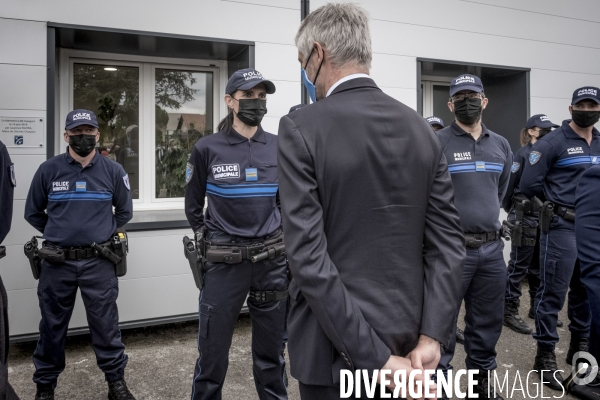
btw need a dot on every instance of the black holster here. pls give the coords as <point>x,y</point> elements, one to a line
<point>546,214</point>
<point>193,250</point>
<point>31,252</point>
<point>115,250</point>
<point>52,254</point>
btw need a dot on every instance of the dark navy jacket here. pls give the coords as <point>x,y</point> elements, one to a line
<point>239,178</point>
<point>480,172</point>
<point>7,189</point>
<point>73,206</point>
<point>556,163</point>
<point>516,170</point>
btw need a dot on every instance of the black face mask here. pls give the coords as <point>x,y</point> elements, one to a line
<point>585,119</point>
<point>468,111</point>
<point>544,132</point>
<point>82,145</point>
<point>251,111</point>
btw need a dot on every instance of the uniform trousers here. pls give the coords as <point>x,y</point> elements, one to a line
<point>483,286</point>
<point>524,261</point>
<point>226,286</point>
<point>57,289</point>
<point>559,272</point>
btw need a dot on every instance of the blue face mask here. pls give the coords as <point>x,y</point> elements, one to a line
<point>310,86</point>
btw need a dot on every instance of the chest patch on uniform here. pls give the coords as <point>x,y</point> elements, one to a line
<point>60,186</point>
<point>13,177</point>
<point>80,186</point>
<point>226,171</point>
<point>464,156</point>
<point>251,174</point>
<point>534,157</point>
<point>515,167</point>
<point>189,172</point>
<point>479,166</point>
<point>126,182</point>
<point>575,150</point>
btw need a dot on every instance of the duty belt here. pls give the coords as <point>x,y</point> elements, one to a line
<point>567,213</point>
<point>230,254</point>
<point>77,253</point>
<point>267,296</point>
<point>475,240</point>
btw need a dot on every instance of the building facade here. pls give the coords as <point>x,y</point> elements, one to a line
<point>155,74</point>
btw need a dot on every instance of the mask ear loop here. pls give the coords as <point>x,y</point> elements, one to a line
<point>318,70</point>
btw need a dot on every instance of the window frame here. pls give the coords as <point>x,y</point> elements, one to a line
<point>147,65</point>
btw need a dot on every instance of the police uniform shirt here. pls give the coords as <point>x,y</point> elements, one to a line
<point>516,170</point>
<point>78,201</point>
<point>480,172</point>
<point>238,176</point>
<point>7,189</point>
<point>556,163</point>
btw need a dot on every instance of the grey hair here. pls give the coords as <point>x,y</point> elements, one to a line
<point>342,29</point>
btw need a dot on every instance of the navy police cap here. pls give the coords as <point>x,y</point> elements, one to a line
<point>81,117</point>
<point>466,82</point>
<point>586,93</point>
<point>247,78</point>
<point>435,121</point>
<point>541,121</point>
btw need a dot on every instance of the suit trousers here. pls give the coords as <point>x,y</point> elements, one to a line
<point>226,287</point>
<point>524,261</point>
<point>57,288</point>
<point>484,280</point>
<point>559,271</point>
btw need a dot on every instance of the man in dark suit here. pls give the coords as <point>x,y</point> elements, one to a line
<point>373,239</point>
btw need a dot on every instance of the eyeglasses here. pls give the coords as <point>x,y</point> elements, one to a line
<point>461,97</point>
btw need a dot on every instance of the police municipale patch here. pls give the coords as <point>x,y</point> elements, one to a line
<point>126,181</point>
<point>534,157</point>
<point>13,177</point>
<point>515,167</point>
<point>189,172</point>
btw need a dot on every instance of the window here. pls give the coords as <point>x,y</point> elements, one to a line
<point>150,114</point>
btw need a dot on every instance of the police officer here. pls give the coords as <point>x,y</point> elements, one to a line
<point>479,163</point>
<point>523,216</point>
<point>71,202</point>
<point>236,169</point>
<point>552,172</point>
<point>587,225</point>
<point>7,189</point>
<point>436,123</point>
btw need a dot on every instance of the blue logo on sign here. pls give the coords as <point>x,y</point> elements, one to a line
<point>534,157</point>
<point>19,139</point>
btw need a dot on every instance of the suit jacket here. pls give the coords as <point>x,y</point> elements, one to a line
<point>373,239</point>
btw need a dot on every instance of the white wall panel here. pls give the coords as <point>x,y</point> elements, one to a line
<point>556,84</point>
<point>277,62</point>
<point>394,71</point>
<point>23,42</point>
<point>556,109</point>
<point>20,231</point>
<point>155,256</point>
<point>558,8</point>
<point>22,87</point>
<point>25,168</point>
<point>15,269</point>
<point>208,18</point>
<point>23,311</point>
<point>271,124</point>
<point>286,96</point>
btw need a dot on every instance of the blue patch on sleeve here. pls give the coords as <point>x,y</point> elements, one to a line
<point>189,172</point>
<point>534,157</point>
<point>515,167</point>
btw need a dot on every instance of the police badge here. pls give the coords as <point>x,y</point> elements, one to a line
<point>126,181</point>
<point>534,157</point>
<point>189,172</point>
<point>515,167</point>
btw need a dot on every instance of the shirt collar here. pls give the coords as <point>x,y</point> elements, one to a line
<point>457,130</point>
<point>571,134</point>
<point>71,160</point>
<point>345,79</point>
<point>233,137</point>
